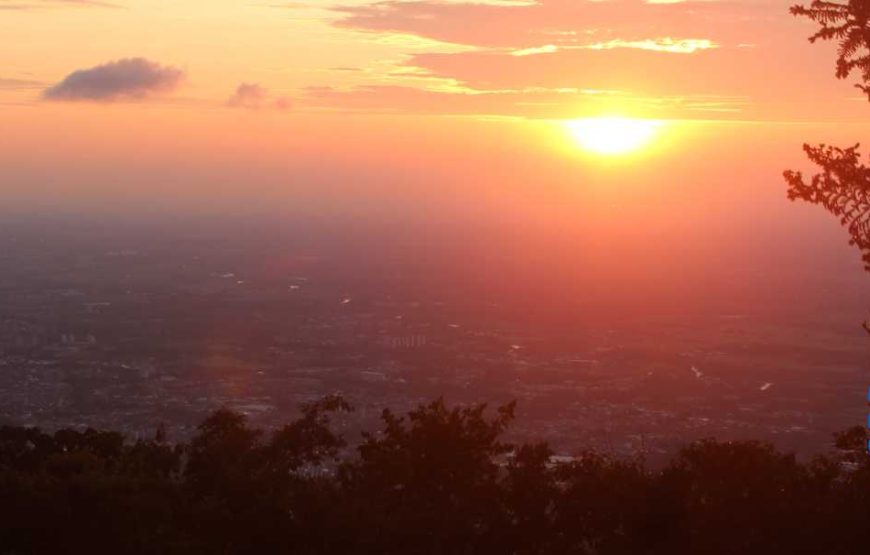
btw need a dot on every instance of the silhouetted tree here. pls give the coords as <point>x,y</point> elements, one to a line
<point>71,490</point>
<point>843,185</point>
<point>530,491</point>
<point>851,445</point>
<point>438,480</point>
<point>601,506</point>
<point>428,482</point>
<point>849,24</point>
<point>255,496</point>
<point>742,497</point>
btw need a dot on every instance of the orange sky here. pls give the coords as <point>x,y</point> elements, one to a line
<point>527,58</point>
<point>373,107</point>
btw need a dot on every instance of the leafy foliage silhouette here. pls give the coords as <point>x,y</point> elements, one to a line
<point>849,24</point>
<point>843,185</point>
<point>436,480</point>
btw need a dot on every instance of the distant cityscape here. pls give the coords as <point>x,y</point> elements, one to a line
<point>132,338</point>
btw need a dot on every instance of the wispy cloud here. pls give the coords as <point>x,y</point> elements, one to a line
<point>676,46</point>
<point>526,102</point>
<point>561,23</point>
<point>658,50</point>
<point>667,44</point>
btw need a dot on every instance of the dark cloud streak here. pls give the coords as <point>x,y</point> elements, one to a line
<point>129,78</point>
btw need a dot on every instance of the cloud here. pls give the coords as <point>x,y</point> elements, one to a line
<point>667,44</point>
<point>639,70</point>
<point>253,97</point>
<point>129,78</point>
<point>529,102</point>
<point>679,57</point>
<point>722,72</point>
<point>562,23</point>
<point>248,95</point>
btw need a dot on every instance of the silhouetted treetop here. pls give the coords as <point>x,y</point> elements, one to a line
<point>437,480</point>
<point>849,24</point>
<point>842,188</point>
<point>843,185</point>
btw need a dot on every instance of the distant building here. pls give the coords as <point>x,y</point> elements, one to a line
<point>404,341</point>
<point>73,339</point>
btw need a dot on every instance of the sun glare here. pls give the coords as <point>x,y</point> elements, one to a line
<point>612,135</point>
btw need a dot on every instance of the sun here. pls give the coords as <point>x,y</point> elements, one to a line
<point>613,135</point>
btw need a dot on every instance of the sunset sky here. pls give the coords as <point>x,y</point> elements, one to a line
<point>420,109</point>
<point>525,58</point>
